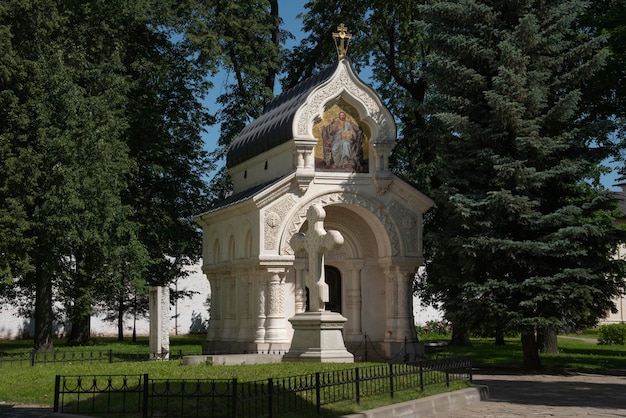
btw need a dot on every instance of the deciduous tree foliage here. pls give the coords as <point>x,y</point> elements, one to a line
<point>522,235</point>
<point>101,147</point>
<point>247,40</point>
<point>64,164</point>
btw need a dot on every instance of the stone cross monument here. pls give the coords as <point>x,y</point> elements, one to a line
<point>317,335</point>
<point>316,242</point>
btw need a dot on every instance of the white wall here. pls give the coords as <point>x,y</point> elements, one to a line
<point>191,313</point>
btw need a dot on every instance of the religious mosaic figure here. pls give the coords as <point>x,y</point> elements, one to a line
<point>343,143</point>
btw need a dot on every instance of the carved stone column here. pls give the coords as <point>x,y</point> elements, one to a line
<point>353,302</point>
<point>391,293</point>
<point>275,320</point>
<point>215,317</point>
<point>399,322</point>
<point>300,286</point>
<point>229,310</point>
<point>406,325</point>
<point>261,312</point>
<point>244,290</point>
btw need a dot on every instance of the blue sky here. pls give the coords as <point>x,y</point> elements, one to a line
<point>288,10</point>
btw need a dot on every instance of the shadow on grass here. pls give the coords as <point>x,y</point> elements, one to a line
<point>124,396</point>
<point>573,355</point>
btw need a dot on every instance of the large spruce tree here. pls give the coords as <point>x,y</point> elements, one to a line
<point>522,236</point>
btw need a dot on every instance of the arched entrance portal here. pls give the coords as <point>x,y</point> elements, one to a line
<point>369,281</point>
<point>333,280</point>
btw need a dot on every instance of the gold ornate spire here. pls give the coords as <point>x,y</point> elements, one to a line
<point>342,40</point>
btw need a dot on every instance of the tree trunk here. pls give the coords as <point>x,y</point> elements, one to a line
<point>499,337</point>
<point>135,318</point>
<point>531,362</point>
<point>460,337</point>
<point>80,309</point>
<point>551,345</point>
<point>120,319</point>
<point>81,330</point>
<point>44,315</point>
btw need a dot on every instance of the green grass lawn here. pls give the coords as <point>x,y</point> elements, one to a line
<point>574,353</point>
<point>187,343</point>
<point>35,385</point>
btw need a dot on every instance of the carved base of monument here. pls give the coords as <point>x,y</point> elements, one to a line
<point>317,338</point>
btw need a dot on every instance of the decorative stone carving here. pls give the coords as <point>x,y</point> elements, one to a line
<point>259,335</point>
<point>337,254</point>
<point>343,82</point>
<point>376,208</point>
<point>408,221</point>
<point>277,296</point>
<point>273,218</point>
<point>275,318</point>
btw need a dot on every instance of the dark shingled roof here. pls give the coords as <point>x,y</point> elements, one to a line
<point>274,126</point>
<point>244,195</point>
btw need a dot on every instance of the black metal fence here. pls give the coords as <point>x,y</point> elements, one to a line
<point>142,396</point>
<point>31,358</point>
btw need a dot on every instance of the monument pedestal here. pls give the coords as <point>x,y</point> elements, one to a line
<point>317,338</point>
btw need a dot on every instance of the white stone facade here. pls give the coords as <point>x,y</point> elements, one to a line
<point>258,280</point>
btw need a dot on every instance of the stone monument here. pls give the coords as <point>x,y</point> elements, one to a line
<point>317,333</point>
<point>159,299</point>
<point>325,142</point>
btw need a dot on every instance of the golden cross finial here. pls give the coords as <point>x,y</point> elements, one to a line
<point>342,40</point>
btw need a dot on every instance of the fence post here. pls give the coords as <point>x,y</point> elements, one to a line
<point>33,355</point>
<point>270,390</point>
<point>358,386</point>
<point>470,373</point>
<point>110,355</point>
<point>421,363</point>
<point>57,389</point>
<point>391,379</point>
<point>235,403</point>
<point>146,385</point>
<point>317,392</point>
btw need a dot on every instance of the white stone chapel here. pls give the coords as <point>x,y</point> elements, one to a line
<point>326,142</point>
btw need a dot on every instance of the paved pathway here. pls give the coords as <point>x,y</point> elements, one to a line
<point>511,396</point>
<point>21,411</point>
<point>574,395</point>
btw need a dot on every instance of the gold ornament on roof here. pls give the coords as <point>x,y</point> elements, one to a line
<point>342,40</point>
